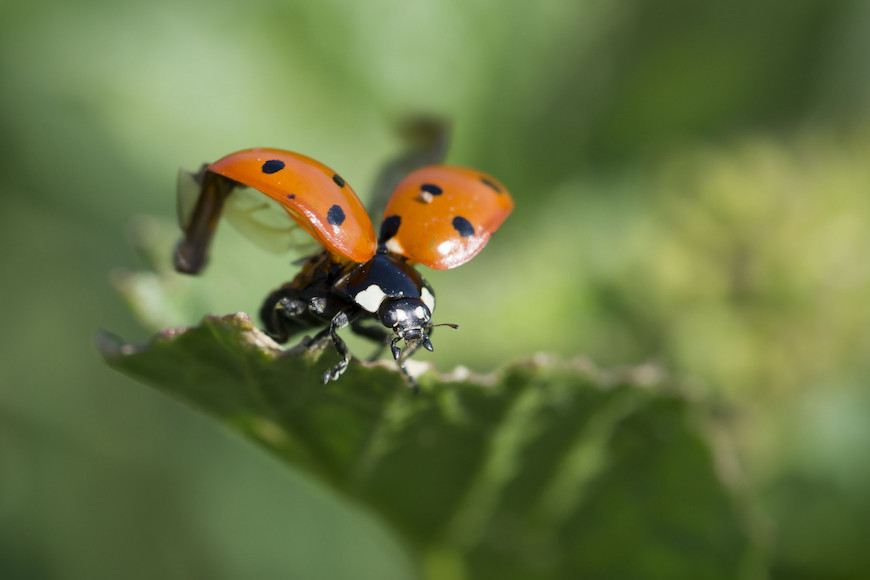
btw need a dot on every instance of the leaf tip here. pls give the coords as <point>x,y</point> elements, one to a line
<point>109,344</point>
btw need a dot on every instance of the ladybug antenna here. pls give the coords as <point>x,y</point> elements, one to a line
<point>453,326</point>
<point>426,343</point>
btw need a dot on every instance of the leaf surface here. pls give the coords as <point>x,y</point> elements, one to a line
<point>545,469</point>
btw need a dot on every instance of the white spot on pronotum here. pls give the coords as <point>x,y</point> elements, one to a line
<point>428,299</point>
<point>400,315</point>
<point>370,298</point>
<point>394,246</point>
<point>419,312</point>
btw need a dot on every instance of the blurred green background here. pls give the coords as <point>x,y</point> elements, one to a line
<point>693,189</point>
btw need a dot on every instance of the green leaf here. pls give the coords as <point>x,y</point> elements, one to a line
<point>545,469</point>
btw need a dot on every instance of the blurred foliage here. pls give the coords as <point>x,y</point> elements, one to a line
<point>544,470</point>
<point>692,187</point>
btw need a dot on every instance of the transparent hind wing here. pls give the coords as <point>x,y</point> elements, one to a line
<point>312,194</point>
<point>425,141</point>
<point>202,198</point>
<point>265,222</point>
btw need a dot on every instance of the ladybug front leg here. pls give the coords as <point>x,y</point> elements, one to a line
<point>412,382</point>
<point>338,322</point>
<point>403,355</point>
<point>377,334</point>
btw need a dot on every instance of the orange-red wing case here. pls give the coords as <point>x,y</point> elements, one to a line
<point>441,216</point>
<point>314,195</point>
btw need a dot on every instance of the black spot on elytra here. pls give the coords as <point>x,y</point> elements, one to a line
<point>463,226</point>
<point>338,180</point>
<point>291,196</point>
<point>273,166</point>
<point>335,215</point>
<point>489,183</point>
<point>390,227</point>
<point>433,189</point>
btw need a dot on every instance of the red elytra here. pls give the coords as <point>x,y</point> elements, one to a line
<point>446,214</point>
<point>308,190</point>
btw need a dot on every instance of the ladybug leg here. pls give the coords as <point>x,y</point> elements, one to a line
<point>314,342</point>
<point>339,321</point>
<point>401,356</point>
<point>377,334</point>
<point>412,382</point>
<point>282,314</point>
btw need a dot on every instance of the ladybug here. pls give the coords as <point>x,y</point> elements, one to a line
<point>439,216</point>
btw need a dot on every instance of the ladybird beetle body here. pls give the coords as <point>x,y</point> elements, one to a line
<point>440,216</point>
<point>385,289</point>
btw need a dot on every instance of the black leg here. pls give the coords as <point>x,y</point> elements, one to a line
<point>284,314</point>
<point>318,338</point>
<point>340,320</point>
<point>401,356</point>
<point>408,378</point>
<point>378,334</point>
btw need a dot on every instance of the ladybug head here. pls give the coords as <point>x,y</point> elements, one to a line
<point>410,320</point>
